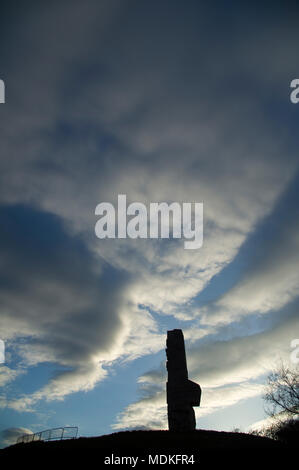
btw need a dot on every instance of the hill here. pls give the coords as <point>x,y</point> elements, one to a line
<point>138,448</point>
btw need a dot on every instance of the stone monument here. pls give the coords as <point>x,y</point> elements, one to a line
<point>182,393</point>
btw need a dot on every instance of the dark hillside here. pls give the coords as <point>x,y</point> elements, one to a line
<point>154,447</point>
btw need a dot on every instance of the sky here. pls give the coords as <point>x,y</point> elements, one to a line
<point>174,101</point>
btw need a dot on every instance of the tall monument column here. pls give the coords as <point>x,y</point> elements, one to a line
<point>182,393</point>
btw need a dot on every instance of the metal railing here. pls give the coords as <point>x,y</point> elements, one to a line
<point>54,434</point>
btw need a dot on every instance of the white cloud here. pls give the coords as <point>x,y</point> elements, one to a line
<point>227,371</point>
<point>272,279</point>
<point>8,375</point>
<point>80,379</point>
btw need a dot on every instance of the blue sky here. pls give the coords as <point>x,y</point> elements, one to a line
<point>161,101</point>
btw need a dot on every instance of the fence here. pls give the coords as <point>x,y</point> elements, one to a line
<point>54,434</point>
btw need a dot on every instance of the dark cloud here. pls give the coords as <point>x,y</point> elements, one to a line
<point>54,293</point>
<point>162,101</point>
<point>10,436</point>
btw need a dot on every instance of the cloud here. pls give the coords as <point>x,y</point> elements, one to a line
<point>264,424</point>
<point>68,307</point>
<point>9,436</point>
<point>271,279</point>
<point>160,108</point>
<point>8,375</point>
<point>151,412</point>
<point>227,371</point>
<point>54,296</point>
<point>78,379</point>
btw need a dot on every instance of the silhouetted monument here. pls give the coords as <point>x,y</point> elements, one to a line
<point>182,394</point>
